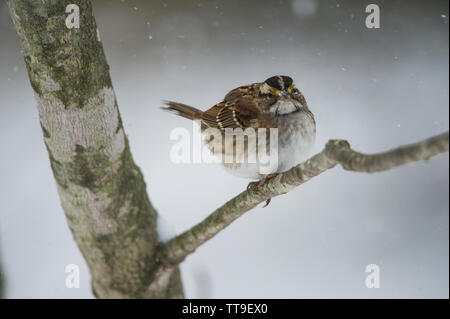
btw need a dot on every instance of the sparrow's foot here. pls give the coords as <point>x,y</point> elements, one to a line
<point>267,202</point>
<point>261,183</point>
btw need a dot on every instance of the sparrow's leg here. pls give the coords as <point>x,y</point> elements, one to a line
<point>261,183</point>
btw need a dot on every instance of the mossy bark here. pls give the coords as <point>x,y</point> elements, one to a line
<point>101,189</point>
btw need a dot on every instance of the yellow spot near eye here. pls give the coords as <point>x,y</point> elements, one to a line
<point>275,91</point>
<point>289,89</point>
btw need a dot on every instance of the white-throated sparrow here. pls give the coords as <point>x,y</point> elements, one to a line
<point>274,103</point>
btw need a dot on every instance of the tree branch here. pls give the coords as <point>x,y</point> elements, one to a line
<point>101,189</point>
<point>335,152</point>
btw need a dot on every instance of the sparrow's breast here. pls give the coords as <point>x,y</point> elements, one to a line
<point>296,137</point>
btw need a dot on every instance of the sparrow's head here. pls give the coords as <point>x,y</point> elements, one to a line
<point>281,95</point>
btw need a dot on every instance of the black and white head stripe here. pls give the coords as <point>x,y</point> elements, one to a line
<point>280,82</point>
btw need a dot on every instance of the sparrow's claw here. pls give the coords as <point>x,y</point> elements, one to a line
<point>267,202</point>
<point>261,183</point>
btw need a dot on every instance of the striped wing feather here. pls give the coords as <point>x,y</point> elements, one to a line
<point>240,113</point>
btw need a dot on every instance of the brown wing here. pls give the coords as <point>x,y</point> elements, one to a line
<point>241,112</point>
<point>245,91</point>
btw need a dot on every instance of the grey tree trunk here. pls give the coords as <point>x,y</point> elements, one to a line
<point>101,189</point>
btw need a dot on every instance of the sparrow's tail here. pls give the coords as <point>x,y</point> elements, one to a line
<point>183,110</point>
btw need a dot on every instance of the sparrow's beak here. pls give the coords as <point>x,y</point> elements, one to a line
<point>285,94</point>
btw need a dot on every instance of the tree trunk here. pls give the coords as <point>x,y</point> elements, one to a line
<point>101,189</point>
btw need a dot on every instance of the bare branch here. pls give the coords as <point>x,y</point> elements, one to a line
<point>335,152</point>
<point>358,162</point>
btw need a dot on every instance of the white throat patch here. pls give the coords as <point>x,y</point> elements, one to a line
<point>283,107</point>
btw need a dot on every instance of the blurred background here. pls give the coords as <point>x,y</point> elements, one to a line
<point>378,88</point>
